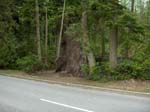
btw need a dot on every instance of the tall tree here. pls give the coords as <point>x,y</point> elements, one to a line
<point>113,40</point>
<point>46,37</point>
<point>86,45</point>
<point>38,31</point>
<point>126,49</point>
<point>113,47</point>
<point>103,44</point>
<point>61,31</point>
<point>132,5</point>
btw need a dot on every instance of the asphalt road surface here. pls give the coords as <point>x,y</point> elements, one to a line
<point>19,95</point>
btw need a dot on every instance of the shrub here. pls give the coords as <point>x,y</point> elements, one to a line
<point>132,69</point>
<point>8,53</point>
<point>128,69</point>
<point>145,70</point>
<point>99,71</point>
<point>29,63</point>
<point>85,70</point>
<point>96,75</point>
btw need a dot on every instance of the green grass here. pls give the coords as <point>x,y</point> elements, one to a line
<point>17,72</point>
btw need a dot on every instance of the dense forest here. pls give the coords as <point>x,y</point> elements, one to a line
<point>95,39</point>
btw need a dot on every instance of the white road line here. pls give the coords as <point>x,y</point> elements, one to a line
<point>64,105</point>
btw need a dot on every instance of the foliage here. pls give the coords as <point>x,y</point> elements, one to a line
<point>98,71</point>
<point>7,53</point>
<point>7,39</point>
<point>127,69</point>
<point>29,64</point>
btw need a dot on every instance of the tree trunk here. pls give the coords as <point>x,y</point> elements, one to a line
<point>132,5</point>
<point>113,47</point>
<point>101,28</point>
<point>38,31</point>
<point>61,32</point>
<point>86,44</point>
<point>71,55</point>
<point>126,49</point>
<point>141,9</point>
<point>46,38</point>
<point>103,45</point>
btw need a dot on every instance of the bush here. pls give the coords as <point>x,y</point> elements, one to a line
<point>127,69</point>
<point>29,64</point>
<point>8,53</point>
<point>145,70</point>
<point>96,74</point>
<point>85,70</point>
<point>132,69</point>
<point>99,71</point>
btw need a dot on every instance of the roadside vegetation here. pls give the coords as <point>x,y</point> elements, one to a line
<point>100,40</point>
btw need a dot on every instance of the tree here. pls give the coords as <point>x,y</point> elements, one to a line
<point>70,57</point>
<point>61,32</point>
<point>113,47</point>
<point>38,31</point>
<point>45,4</point>
<point>46,37</point>
<point>126,50</point>
<point>113,40</point>
<point>132,5</point>
<point>86,45</point>
<point>103,44</point>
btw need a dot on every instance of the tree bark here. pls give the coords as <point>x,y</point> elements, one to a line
<point>86,44</point>
<point>126,50</point>
<point>113,47</point>
<point>132,5</point>
<point>46,37</point>
<point>103,45</point>
<point>61,31</point>
<point>71,55</point>
<point>38,31</point>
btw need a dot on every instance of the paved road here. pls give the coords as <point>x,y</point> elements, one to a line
<point>19,95</point>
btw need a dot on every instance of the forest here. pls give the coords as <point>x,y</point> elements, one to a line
<point>93,39</point>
